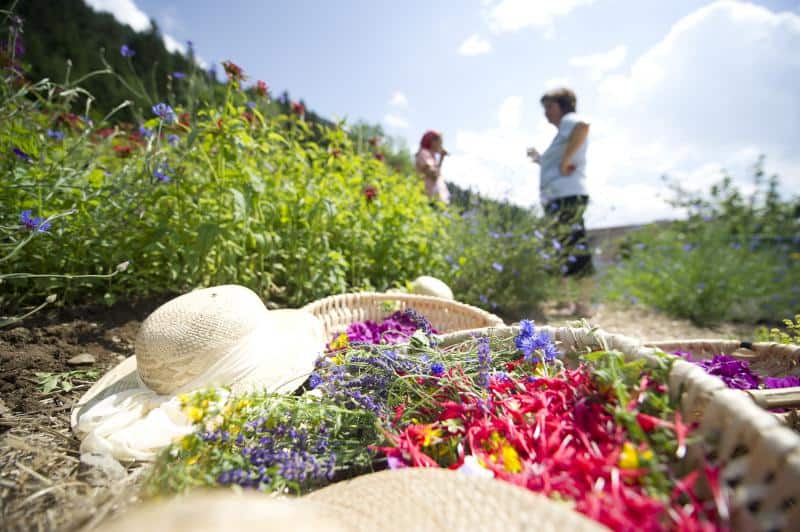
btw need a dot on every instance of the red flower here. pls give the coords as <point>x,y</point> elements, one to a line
<point>262,88</point>
<point>234,71</point>
<point>105,132</point>
<point>123,150</point>
<point>380,156</point>
<point>185,119</point>
<point>299,109</point>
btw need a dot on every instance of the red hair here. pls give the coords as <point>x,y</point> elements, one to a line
<point>428,138</point>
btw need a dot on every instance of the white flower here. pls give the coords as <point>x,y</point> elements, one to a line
<point>473,468</point>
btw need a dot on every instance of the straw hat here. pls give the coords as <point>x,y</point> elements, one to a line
<point>212,337</point>
<point>405,499</point>
<point>431,286</point>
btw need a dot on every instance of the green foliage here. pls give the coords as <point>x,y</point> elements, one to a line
<point>735,257</point>
<point>64,381</point>
<point>502,258</point>
<point>250,199</point>
<point>790,336</point>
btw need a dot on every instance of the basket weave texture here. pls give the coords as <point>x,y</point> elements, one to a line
<point>760,458</point>
<point>446,316</point>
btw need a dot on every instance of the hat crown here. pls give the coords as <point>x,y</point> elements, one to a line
<point>185,336</point>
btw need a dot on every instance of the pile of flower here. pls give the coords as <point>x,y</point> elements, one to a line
<point>591,430</point>
<point>738,374</point>
<point>397,327</point>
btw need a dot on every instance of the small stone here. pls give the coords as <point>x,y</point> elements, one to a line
<point>83,358</point>
<point>116,339</point>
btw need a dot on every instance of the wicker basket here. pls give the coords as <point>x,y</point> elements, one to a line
<point>766,359</point>
<point>337,312</point>
<point>759,456</point>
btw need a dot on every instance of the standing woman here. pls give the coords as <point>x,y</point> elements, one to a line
<point>429,168</point>
<point>562,185</point>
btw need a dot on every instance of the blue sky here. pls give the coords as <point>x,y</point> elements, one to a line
<point>679,87</point>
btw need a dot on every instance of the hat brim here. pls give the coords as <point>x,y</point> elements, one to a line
<point>124,376</point>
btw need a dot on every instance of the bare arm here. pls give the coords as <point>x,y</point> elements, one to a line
<point>576,139</point>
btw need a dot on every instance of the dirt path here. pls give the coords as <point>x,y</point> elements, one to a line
<point>43,485</point>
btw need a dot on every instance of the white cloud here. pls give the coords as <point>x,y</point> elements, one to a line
<point>395,121</point>
<point>474,45</point>
<point>398,99</point>
<point>514,15</point>
<point>124,11</point>
<point>552,83</point>
<point>601,63</point>
<point>173,45</point>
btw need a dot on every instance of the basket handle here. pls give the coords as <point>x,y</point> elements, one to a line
<point>776,397</point>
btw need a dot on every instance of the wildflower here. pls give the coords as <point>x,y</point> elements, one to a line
<point>628,457</point>
<point>687,247</point>
<point>370,192</point>
<point>122,150</point>
<point>781,382</point>
<point>37,223</point>
<point>126,51</point>
<point>340,342</point>
<point>381,157</point>
<point>234,72</point>
<point>194,413</point>
<point>299,109</point>
<point>437,369</point>
<point>511,461</point>
<point>178,75</point>
<point>55,135</point>
<point>251,105</point>
<point>165,112</point>
<point>261,88</point>
<point>497,266</point>
<point>314,380</point>
<point>22,155</point>
<point>556,244</point>
<point>538,234</point>
<point>173,139</point>
<point>160,173</point>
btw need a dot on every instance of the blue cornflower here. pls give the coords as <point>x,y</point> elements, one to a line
<point>494,235</point>
<point>145,133</point>
<point>314,380</point>
<point>178,75</point>
<point>526,328</point>
<point>36,223</point>
<point>126,51</point>
<point>687,247</point>
<point>56,135</point>
<point>497,266</point>
<point>556,244</point>
<point>538,234</point>
<point>173,139</point>
<point>483,299</point>
<point>160,173</point>
<point>251,105</point>
<point>572,258</point>
<point>437,369</point>
<point>22,155</point>
<point>165,112</point>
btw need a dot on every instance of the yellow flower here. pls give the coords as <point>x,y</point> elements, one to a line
<point>629,457</point>
<point>193,459</point>
<point>430,435</point>
<point>242,403</point>
<point>194,413</point>
<point>511,459</point>
<point>186,443</point>
<point>340,342</point>
<point>184,398</point>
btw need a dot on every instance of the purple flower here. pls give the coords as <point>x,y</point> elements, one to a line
<point>314,380</point>
<point>173,139</point>
<point>437,369</point>
<point>126,51</point>
<point>687,247</point>
<point>55,135</point>
<point>22,155</point>
<point>178,75</point>
<point>145,133</point>
<point>165,112</point>
<point>734,372</point>
<point>538,234</point>
<point>161,174</point>
<point>37,223</point>
<point>556,244</point>
<point>251,105</point>
<point>497,266</point>
<point>781,382</point>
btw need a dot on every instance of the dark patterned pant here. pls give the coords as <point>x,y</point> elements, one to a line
<point>568,229</point>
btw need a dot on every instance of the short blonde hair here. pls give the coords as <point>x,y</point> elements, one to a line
<point>563,96</point>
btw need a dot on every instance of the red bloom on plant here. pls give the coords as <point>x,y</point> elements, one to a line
<point>105,132</point>
<point>380,156</point>
<point>370,192</point>
<point>123,150</point>
<point>185,119</point>
<point>299,109</point>
<point>262,88</point>
<point>234,71</point>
